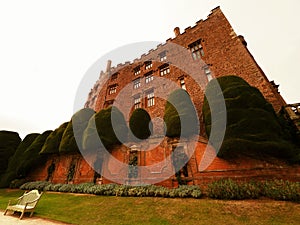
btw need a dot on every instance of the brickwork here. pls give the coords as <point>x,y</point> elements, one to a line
<point>223,51</point>
<point>203,166</point>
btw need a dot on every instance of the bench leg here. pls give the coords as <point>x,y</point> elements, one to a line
<point>22,215</point>
<point>5,212</point>
<point>31,214</point>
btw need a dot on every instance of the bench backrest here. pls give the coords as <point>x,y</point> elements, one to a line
<point>33,195</point>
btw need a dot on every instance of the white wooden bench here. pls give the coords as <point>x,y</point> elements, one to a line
<point>26,203</point>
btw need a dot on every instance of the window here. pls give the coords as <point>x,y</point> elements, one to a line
<point>165,69</point>
<point>150,98</point>
<point>136,83</point>
<point>182,83</point>
<point>148,65</point>
<point>114,76</point>
<point>163,56</point>
<point>137,70</point>
<point>148,77</point>
<point>208,73</point>
<point>112,89</point>
<point>196,49</point>
<point>137,101</point>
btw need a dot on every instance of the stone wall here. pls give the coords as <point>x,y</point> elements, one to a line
<point>203,166</point>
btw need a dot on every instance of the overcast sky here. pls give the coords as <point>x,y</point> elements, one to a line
<point>47,46</point>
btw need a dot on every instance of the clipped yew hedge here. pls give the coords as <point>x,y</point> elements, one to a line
<point>31,158</point>
<point>11,171</point>
<point>140,123</point>
<point>180,109</point>
<point>70,139</point>
<point>9,142</point>
<point>100,126</point>
<point>252,128</point>
<point>52,143</point>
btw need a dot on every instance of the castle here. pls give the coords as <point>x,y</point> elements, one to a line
<point>211,49</point>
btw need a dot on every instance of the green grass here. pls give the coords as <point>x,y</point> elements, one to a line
<point>92,210</point>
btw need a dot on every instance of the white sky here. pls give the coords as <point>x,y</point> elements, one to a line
<point>47,46</point>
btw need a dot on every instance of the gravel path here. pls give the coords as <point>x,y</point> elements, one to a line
<point>13,219</point>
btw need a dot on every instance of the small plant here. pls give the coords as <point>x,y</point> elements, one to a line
<point>281,190</point>
<point>117,190</point>
<point>229,189</point>
<point>17,183</point>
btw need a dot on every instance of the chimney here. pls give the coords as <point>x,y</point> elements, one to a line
<point>176,31</point>
<point>108,66</point>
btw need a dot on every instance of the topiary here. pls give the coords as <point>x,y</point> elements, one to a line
<point>9,142</point>
<point>252,125</point>
<point>11,171</point>
<point>73,134</point>
<point>179,110</point>
<point>100,126</point>
<point>31,158</point>
<point>140,123</point>
<point>52,143</point>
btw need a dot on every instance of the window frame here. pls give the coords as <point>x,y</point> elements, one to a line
<point>136,83</point>
<point>137,101</point>
<point>114,76</point>
<point>150,98</point>
<point>137,70</point>
<point>207,73</point>
<point>182,83</point>
<point>148,65</point>
<point>163,56</point>
<point>149,77</point>
<point>164,69</point>
<point>112,89</point>
<point>196,49</point>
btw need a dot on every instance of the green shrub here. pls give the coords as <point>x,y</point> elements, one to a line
<point>221,189</point>
<point>52,143</point>
<point>39,185</point>
<point>100,125</point>
<point>73,134</point>
<point>31,158</point>
<point>229,189</point>
<point>140,123</point>
<point>281,190</point>
<point>179,110</point>
<point>117,190</point>
<point>17,183</point>
<point>252,128</point>
<point>9,142</point>
<point>48,187</point>
<point>16,159</point>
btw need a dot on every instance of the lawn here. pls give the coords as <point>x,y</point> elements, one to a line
<point>95,210</point>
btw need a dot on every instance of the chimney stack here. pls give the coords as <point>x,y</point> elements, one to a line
<point>108,66</point>
<point>176,31</point>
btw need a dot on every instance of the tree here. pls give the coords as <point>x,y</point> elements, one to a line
<point>140,123</point>
<point>101,126</point>
<point>252,126</point>
<point>73,134</point>
<point>11,171</point>
<point>31,158</point>
<point>52,143</point>
<point>180,115</point>
<point>9,142</point>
